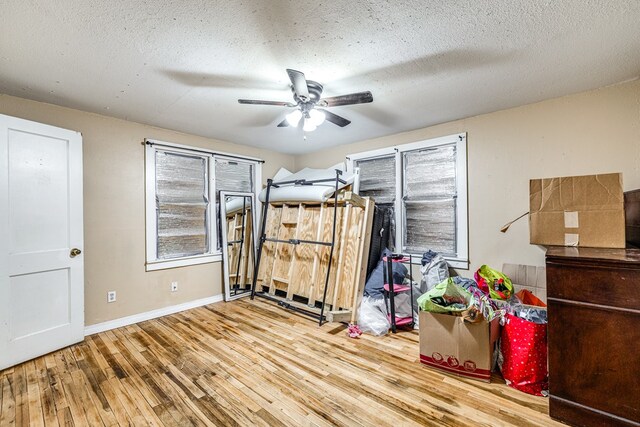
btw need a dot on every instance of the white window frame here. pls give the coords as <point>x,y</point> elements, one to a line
<point>462,224</point>
<point>214,255</point>
<point>257,174</point>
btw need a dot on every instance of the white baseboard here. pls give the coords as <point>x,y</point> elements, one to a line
<point>141,317</point>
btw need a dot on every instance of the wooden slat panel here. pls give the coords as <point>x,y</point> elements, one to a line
<point>319,226</point>
<point>268,250</point>
<point>284,251</point>
<point>341,256</point>
<point>363,257</point>
<point>351,255</point>
<point>324,254</point>
<point>293,263</point>
<point>304,253</point>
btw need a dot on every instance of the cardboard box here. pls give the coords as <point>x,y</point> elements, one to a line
<point>449,344</point>
<point>577,211</point>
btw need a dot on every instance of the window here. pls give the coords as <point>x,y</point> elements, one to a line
<point>425,185</point>
<point>182,185</point>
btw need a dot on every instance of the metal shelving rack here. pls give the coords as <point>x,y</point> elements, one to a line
<point>391,289</point>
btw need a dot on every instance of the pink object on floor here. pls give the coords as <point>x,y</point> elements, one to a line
<point>353,331</point>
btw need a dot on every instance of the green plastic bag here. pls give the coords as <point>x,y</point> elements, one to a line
<point>494,283</point>
<point>445,297</point>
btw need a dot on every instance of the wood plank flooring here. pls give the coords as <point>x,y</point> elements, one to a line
<point>250,363</point>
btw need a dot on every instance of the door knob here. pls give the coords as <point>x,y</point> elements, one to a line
<point>75,252</point>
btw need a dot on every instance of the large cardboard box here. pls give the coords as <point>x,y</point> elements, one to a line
<point>452,345</point>
<point>577,211</point>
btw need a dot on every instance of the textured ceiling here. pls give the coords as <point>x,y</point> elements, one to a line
<point>183,64</point>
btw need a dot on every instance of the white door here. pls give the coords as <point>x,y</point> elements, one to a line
<point>41,267</point>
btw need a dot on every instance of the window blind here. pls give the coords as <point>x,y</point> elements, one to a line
<point>181,205</point>
<point>429,200</point>
<point>231,176</point>
<point>378,179</point>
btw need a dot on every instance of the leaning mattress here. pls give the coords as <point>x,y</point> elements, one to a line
<point>236,204</point>
<point>306,193</point>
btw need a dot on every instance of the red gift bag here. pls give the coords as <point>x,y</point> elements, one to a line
<point>523,350</point>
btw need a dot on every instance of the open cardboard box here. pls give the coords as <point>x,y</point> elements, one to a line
<point>577,211</point>
<point>450,344</point>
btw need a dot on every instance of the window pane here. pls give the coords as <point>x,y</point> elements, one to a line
<point>378,178</point>
<point>181,197</point>
<point>430,173</point>
<point>181,230</point>
<point>430,225</point>
<point>234,176</point>
<point>231,176</point>
<point>180,178</point>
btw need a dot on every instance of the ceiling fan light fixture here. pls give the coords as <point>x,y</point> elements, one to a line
<point>307,95</point>
<point>309,126</point>
<point>293,118</point>
<point>316,117</point>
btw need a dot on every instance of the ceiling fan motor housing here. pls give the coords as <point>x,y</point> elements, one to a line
<point>315,93</point>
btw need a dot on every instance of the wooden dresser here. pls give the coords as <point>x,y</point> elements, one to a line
<point>594,335</point>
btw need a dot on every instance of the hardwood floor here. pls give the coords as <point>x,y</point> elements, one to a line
<point>250,363</point>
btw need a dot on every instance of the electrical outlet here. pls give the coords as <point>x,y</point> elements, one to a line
<point>174,286</point>
<point>111,296</point>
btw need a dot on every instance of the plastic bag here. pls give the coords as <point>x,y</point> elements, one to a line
<point>446,297</point>
<point>523,355</point>
<point>485,305</point>
<point>494,283</point>
<point>464,282</point>
<point>372,316</point>
<point>402,302</point>
<point>488,307</point>
<point>529,313</point>
<point>434,270</point>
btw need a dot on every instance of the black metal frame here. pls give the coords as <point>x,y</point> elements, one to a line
<point>264,238</point>
<point>392,305</point>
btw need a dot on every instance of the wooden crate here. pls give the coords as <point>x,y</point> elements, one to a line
<point>299,271</point>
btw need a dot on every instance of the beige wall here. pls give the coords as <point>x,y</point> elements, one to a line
<point>591,132</point>
<point>114,218</point>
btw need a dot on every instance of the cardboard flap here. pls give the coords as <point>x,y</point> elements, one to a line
<point>576,193</point>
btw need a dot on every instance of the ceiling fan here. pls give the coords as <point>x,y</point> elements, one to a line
<point>307,97</point>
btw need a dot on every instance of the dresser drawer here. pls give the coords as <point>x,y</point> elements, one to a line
<point>593,361</point>
<point>599,284</point>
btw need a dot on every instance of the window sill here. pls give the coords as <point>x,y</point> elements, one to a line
<point>460,264</point>
<point>183,262</point>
